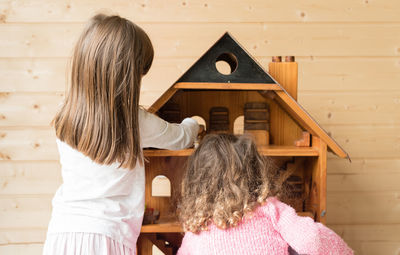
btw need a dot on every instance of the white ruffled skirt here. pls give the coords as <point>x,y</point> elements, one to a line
<point>83,244</point>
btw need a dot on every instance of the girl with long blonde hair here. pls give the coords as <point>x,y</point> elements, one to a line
<point>101,131</point>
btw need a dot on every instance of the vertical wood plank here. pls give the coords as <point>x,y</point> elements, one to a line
<point>318,186</point>
<point>286,74</point>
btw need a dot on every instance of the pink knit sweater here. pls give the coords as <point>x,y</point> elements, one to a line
<point>270,230</point>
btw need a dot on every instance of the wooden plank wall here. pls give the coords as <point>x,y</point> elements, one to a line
<point>349,62</point>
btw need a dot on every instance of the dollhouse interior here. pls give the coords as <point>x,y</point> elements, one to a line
<point>227,91</point>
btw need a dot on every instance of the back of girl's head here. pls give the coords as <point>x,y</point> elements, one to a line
<point>225,179</point>
<point>100,113</point>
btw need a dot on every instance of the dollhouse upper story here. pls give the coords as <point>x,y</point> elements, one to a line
<point>206,92</point>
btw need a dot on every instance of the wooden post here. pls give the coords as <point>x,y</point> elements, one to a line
<point>318,186</point>
<point>286,130</point>
<point>285,73</point>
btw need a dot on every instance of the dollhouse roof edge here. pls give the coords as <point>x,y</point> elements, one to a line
<point>283,98</point>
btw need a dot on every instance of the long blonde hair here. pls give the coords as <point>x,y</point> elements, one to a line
<point>225,180</point>
<point>100,114</point>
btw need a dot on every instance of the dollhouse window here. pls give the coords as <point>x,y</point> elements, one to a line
<point>226,63</point>
<point>238,125</point>
<point>156,251</point>
<point>161,186</point>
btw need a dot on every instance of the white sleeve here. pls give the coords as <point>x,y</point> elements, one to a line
<point>158,133</point>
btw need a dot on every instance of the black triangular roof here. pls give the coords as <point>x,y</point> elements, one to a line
<point>241,63</point>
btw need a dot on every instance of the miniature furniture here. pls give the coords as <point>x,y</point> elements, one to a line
<point>266,103</point>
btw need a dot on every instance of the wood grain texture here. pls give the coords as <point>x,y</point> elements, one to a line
<point>364,166</point>
<point>339,205</point>
<point>286,74</point>
<point>204,11</point>
<point>348,53</point>
<point>226,86</point>
<point>304,119</point>
<point>371,141</point>
<point>27,40</point>
<point>19,178</point>
<point>28,144</point>
<point>360,142</point>
<point>22,235</point>
<point>336,108</point>
<point>20,249</point>
<point>372,247</point>
<point>29,108</point>
<point>371,207</point>
<point>377,233</point>
<point>379,182</point>
<point>361,108</point>
<point>316,74</point>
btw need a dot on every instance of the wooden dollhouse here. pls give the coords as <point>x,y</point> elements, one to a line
<point>264,104</point>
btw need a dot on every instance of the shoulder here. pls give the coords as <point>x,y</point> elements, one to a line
<point>276,210</point>
<point>273,205</point>
<point>143,114</point>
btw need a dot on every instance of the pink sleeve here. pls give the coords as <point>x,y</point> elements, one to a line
<point>303,234</point>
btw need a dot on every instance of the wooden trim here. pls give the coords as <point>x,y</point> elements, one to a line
<point>207,85</point>
<point>283,150</point>
<point>270,150</point>
<point>162,100</point>
<point>305,120</point>
<point>174,226</point>
<point>319,180</point>
<point>167,153</point>
<point>166,227</point>
<point>227,86</point>
<point>306,214</point>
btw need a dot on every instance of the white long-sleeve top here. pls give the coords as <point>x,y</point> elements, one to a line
<point>106,199</point>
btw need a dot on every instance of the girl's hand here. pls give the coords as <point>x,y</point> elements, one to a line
<point>201,129</point>
<point>200,135</point>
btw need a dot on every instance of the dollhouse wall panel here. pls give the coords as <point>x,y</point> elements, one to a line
<point>199,103</point>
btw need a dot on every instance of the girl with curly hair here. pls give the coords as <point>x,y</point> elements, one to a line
<point>229,205</point>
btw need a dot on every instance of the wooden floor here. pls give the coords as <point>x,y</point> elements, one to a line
<point>349,74</point>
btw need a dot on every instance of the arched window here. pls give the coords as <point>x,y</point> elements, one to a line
<point>161,186</point>
<point>156,251</point>
<point>238,125</point>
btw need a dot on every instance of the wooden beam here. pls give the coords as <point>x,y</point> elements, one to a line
<point>270,150</point>
<point>166,227</point>
<point>318,188</point>
<point>227,86</point>
<point>162,100</point>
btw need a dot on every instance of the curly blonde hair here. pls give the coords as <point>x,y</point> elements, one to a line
<point>225,180</point>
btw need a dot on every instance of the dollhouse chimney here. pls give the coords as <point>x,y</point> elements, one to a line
<point>286,73</point>
<point>276,59</point>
